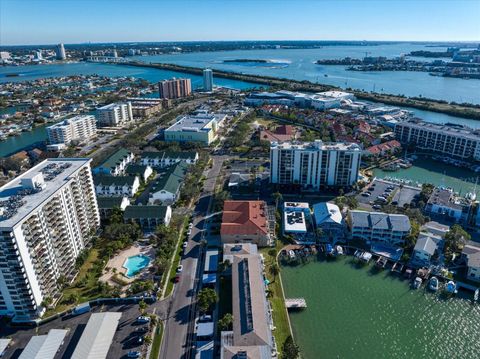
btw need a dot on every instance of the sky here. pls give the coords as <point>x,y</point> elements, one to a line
<point>29,22</point>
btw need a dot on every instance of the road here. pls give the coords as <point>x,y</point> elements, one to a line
<point>179,327</point>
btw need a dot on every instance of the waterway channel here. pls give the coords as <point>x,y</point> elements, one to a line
<point>359,313</point>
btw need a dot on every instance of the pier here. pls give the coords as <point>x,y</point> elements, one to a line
<point>295,303</point>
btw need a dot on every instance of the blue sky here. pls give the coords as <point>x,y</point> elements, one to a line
<point>78,21</point>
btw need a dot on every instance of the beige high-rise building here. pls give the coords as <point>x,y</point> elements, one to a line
<point>175,88</point>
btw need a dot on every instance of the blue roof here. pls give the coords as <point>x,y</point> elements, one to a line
<point>209,278</point>
<point>211,261</point>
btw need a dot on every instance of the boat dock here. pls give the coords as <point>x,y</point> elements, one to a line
<point>295,303</point>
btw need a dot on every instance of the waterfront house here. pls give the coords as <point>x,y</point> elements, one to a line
<point>443,203</point>
<point>116,185</point>
<point>148,217</point>
<point>425,248</point>
<point>376,227</point>
<point>329,219</point>
<point>245,222</point>
<point>166,189</point>
<point>115,164</point>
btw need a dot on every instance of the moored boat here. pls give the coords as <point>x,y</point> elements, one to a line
<point>433,284</point>
<point>417,283</point>
<point>451,287</point>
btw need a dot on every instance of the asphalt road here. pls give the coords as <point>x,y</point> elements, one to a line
<point>177,340</point>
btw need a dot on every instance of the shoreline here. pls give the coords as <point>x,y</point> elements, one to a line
<point>464,111</point>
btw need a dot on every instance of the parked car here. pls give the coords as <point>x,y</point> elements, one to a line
<point>376,206</point>
<point>190,226</point>
<point>189,232</point>
<point>143,319</point>
<point>179,269</point>
<point>133,354</point>
<point>141,330</point>
<point>177,278</point>
<point>205,318</point>
<point>184,245</point>
<point>140,339</point>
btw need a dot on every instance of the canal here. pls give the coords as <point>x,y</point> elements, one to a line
<point>358,313</point>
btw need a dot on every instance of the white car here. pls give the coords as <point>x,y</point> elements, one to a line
<point>190,226</point>
<point>189,232</point>
<point>179,269</point>
<point>143,319</point>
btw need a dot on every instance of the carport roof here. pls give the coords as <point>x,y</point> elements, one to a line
<point>97,336</point>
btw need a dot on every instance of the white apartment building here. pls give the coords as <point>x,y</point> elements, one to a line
<point>456,141</point>
<point>376,227</point>
<point>47,217</point>
<point>79,128</point>
<point>114,114</point>
<point>314,164</point>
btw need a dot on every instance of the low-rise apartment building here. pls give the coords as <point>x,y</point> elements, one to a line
<point>166,159</point>
<point>148,217</point>
<point>166,189</point>
<point>245,222</point>
<point>114,186</point>
<point>47,217</point>
<point>116,164</point>
<point>376,227</point>
<point>79,128</point>
<point>314,164</point>
<point>445,204</point>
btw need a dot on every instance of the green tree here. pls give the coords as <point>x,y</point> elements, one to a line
<point>290,350</point>
<point>142,306</point>
<point>207,297</point>
<point>274,270</point>
<point>226,322</point>
<point>455,239</point>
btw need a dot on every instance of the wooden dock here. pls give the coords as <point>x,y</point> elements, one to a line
<point>295,303</point>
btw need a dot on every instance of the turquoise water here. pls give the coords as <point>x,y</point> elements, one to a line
<point>426,170</point>
<point>135,264</point>
<point>300,66</point>
<point>359,313</point>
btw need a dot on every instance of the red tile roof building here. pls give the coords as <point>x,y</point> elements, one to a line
<point>383,148</point>
<point>245,221</point>
<point>282,133</point>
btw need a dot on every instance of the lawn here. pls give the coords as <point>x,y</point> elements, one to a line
<point>157,340</point>
<point>84,286</point>
<point>280,315</point>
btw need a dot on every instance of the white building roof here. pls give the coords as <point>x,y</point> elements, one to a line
<point>327,212</point>
<point>3,345</point>
<point>294,221</point>
<point>317,145</point>
<point>97,336</point>
<point>55,173</point>
<point>44,346</point>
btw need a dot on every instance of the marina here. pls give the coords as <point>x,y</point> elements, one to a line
<point>354,312</point>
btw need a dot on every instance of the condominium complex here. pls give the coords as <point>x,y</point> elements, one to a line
<point>79,128</point>
<point>373,227</point>
<point>314,164</point>
<point>115,114</point>
<point>60,52</point>
<point>175,88</point>
<point>145,107</point>
<point>456,141</point>
<point>207,80</point>
<point>47,217</point>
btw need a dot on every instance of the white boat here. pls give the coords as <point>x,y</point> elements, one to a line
<point>451,287</point>
<point>433,284</point>
<point>291,254</point>
<point>417,283</point>
<point>339,250</point>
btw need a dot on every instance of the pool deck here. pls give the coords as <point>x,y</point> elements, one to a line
<point>118,261</point>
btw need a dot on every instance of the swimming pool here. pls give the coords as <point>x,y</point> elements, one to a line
<point>135,264</point>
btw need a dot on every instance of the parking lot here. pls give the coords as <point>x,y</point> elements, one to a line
<point>400,195</point>
<point>125,339</point>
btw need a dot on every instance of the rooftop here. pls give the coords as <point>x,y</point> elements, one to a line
<point>109,202</point>
<point>115,159</point>
<point>172,179</point>
<point>195,123</point>
<point>44,346</point>
<point>114,180</point>
<point>456,130</point>
<point>446,198</point>
<point>110,106</point>
<point>317,145</point>
<point>380,221</point>
<point>147,211</point>
<point>244,218</point>
<point>169,154</point>
<point>22,195</point>
<point>68,121</point>
<point>327,212</point>
<point>426,243</point>
<point>97,336</point>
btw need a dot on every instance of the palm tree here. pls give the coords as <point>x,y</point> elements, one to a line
<point>274,270</point>
<point>277,196</point>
